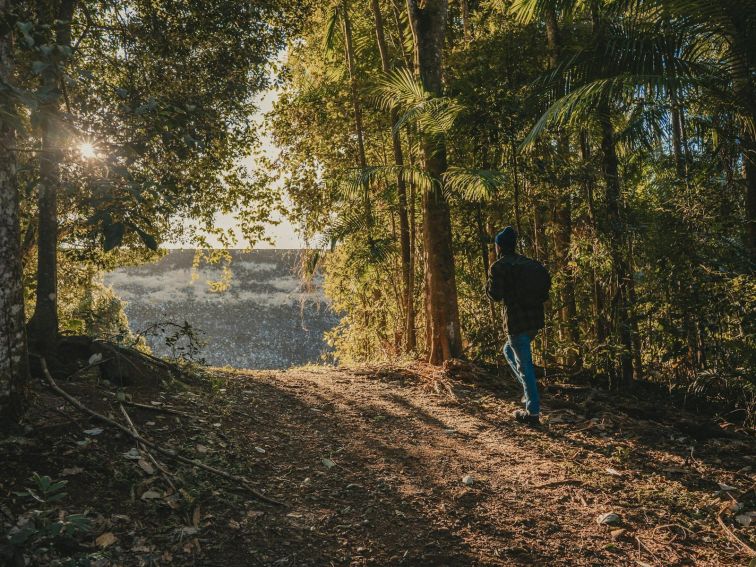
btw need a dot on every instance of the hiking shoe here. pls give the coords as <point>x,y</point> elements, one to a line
<point>522,416</point>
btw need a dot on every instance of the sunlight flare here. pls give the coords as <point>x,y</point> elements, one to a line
<point>87,150</point>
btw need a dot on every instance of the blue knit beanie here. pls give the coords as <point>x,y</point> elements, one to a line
<point>506,239</point>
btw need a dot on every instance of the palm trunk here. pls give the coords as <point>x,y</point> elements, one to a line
<point>598,298</point>
<point>14,368</point>
<point>616,236</point>
<point>562,216</point>
<point>428,23</point>
<point>466,31</point>
<point>43,326</point>
<point>742,82</point>
<point>357,108</point>
<point>485,258</point>
<point>401,188</point>
<point>516,183</point>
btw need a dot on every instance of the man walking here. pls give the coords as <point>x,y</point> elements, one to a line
<point>523,286</point>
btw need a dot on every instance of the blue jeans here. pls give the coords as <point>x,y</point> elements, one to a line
<point>519,357</point>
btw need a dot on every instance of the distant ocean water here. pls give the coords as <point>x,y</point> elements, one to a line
<point>264,320</point>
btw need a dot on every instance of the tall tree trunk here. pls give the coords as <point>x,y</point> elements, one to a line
<point>465,9</point>
<point>483,239</point>
<point>610,166</point>
<point>745,91</point>
<point>598,298</point>
<point>401,189</point>
<point>43,326</point>
<point>356,107</point>
<point>428,23</point>
<point>562,216</point>
<point>14,368</point>
<point>517,191</point>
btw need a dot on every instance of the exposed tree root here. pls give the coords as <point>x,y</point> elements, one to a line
<point>142,447</point>
<point>162,450</point>
<point>731,535</point>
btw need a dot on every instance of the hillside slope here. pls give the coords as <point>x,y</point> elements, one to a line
<point>371,462</point>
<point>264,319</point>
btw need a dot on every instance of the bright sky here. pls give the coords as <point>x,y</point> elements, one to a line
<point>283,234</point>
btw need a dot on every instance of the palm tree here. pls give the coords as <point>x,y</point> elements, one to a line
<point>341,15</point>
<point>570,76</point>
<point>401,187</point>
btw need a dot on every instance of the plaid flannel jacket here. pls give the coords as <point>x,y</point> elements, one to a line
<point>517,318</point>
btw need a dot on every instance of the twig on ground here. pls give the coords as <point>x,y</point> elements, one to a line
<point>166,474</point>
<point>168,452</point>
<point>563,482</point>
<point>641,544</point>
<point>731,535</point>
<point>162,409</point>
<point>685,531</point>
<point>69,418</point>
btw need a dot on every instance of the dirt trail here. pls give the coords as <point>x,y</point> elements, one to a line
<point>371,464</point>
<point>395,494</point>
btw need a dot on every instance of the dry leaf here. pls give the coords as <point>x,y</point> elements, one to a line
<point>151,495</point>
<point>196,517</point>
<point>146,466</point>
<point>72,471</point>
<point>617,534</point>
<point>608,518</point>
<point>105,540</point>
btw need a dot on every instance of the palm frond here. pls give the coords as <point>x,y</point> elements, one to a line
<point>331,30</point>
<point>478,185</point>
<point>399,89</point>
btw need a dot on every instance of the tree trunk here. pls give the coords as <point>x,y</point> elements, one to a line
<point>43,326</point>
<point>466,31</point>
<point>616,236</point>
<point>357,108</point>
<point>428,23</point>
<point>562,216</point>
<point>401,189</point>
<point>516,183</point>
<point>598,301</point>
<point>485,258</point>
<point>742,82</point>
<point>14,368</point>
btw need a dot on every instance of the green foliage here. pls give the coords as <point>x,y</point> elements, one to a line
<point>39,527</point>
<point>525,143</point>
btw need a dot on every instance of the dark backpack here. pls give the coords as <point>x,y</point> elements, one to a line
<point>531,282</point>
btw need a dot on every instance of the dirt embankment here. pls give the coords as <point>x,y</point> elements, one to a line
<point>388,466</point>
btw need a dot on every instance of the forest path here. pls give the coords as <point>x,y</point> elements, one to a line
<point>370,462</point>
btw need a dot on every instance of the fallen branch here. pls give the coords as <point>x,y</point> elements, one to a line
<point>142,447</point>
<point>168,452</point>
<point>161,409</point>
<point>731,535</point>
